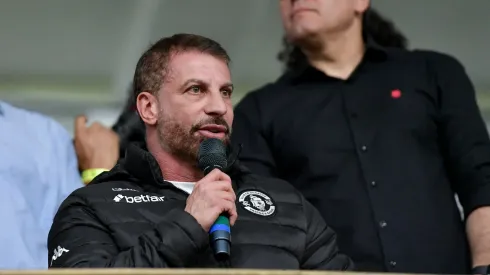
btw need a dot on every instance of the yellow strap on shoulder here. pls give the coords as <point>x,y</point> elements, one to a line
<point>89,174</point>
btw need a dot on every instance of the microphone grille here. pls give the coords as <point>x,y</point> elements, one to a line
<point>212,153</point>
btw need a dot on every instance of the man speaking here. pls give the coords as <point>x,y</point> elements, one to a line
<point>157,207</point>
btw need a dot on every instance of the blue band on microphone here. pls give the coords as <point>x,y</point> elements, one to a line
<point>221,227</point>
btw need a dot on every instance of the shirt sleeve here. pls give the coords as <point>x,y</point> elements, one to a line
<point>248,131</point>
<point>78,239</point>
<point>464,137</point>
<point>67,173</point>
<point>322,252</point>
<point>63,170</point>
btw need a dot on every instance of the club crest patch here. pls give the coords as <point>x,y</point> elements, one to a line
<point>257,202</point>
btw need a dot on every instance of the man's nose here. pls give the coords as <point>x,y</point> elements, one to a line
<point>216,105</point>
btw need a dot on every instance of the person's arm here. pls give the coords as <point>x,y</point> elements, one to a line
<point>322,252</point>
<point>97,148</point>
<point>78,239</point>
<point>66,173</point>
<point>248,131</point>
<point>62,171</point>
<point>466,145</point>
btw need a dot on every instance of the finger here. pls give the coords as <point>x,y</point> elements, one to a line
<point>213,192</point>
<point>228,196</point>
<point>233,219</point>
<point>233,215</point>
<point>216,186</point>
<point>80,125</point>
<point>227,207</point>
<point>216,175</point>
<point>223,176</point>
<point>97,125</point>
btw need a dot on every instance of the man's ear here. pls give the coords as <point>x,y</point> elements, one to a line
<point>147,105</point>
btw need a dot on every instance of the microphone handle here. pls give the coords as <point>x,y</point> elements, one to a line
<point>220,237</point>
<point>220,232</point>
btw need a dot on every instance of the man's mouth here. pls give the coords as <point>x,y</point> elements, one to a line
<point>297,11</point>
<point>213,131</point>
<point>214,128</point>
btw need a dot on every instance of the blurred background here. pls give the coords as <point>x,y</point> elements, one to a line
<point>68,57</point>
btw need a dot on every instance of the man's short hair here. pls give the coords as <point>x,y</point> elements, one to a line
<point>152,66</point>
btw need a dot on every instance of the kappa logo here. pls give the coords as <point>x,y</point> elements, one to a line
<point>138,199</point>
<point>257,203</point>
<point>57,253</point>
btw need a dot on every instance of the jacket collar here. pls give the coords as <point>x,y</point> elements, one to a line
<point>141,164</point>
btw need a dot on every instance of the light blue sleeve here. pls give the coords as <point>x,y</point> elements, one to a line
<point>40,171</point>
<point>68,176</point>
<point>65,177</point>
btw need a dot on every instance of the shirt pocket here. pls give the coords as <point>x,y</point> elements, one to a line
<point>413,111</point>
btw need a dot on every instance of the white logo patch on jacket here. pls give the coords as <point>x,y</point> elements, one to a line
<point>57,253</point>
<point>257,202</point>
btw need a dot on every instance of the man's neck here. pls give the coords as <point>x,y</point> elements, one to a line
<point>338,54</point>
<point>174,168</point>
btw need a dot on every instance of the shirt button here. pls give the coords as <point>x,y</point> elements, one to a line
<point>373,183</point>
<point>382,224</point>
<point>364,148</point>
<point>392,264</point>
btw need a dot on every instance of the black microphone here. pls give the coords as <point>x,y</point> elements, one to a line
<point>212,154</point>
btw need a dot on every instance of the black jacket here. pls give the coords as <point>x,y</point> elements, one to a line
<point>131,217</point>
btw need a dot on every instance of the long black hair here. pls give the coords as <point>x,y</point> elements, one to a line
<point>377,28</point>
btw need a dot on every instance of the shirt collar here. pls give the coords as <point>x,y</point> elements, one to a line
<point>374,53</point>
<point>1,109</point>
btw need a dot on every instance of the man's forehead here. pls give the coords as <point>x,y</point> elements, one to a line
<point>197,66</point>
<point>194,59</point>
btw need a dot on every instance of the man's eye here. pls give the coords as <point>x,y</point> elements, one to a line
<point>195,89</point>
<point>226,93</point>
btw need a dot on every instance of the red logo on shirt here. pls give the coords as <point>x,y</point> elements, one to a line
<point>396,93</point>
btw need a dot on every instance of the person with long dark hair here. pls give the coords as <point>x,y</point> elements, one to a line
<point>376,28</point>
<point>378,137</point>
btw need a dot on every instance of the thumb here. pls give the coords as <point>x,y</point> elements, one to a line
<point>216,175</point>
<point>80,125</point>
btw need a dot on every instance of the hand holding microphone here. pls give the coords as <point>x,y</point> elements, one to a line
<point>212,195</point>
<point>212,202</point>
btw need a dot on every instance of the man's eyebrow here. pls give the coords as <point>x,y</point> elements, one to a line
<point>228,85</point>
<point>193,80</point>
<point>200,82</point>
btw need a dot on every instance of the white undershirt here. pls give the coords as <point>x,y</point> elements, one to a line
<point>184,186</point>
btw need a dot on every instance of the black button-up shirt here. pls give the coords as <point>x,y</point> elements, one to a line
<point>381,155</point>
